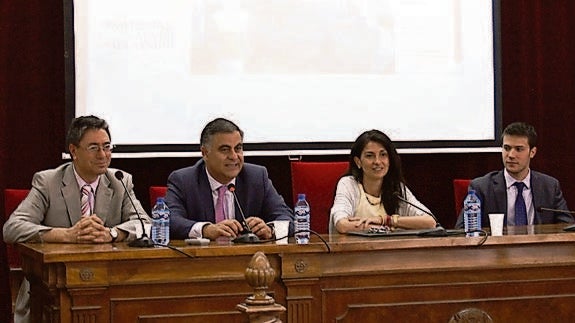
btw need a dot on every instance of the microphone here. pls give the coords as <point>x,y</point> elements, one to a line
<point>544,209</point>
<point>143,241</point>
<point>438,231</point>
<point>567,228</point>
<point>247,236</point>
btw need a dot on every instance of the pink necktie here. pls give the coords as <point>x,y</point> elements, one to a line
<point>221,204</point>
<point>85,200</point>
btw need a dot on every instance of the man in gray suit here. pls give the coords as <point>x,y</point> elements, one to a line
<point>78,202</point>
<point>193,192</point>
<point>498,190</point>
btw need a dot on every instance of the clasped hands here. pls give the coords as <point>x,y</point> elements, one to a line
<point>232,228</point>
<point>90,229</point>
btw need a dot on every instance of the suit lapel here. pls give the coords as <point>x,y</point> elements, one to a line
<point>241,193</point>
<point>208,211</point>
<point>539,195</point>
<point>537,186</point>
<point>500,191</point>
<point>103,198</point>
<point>71,195</point>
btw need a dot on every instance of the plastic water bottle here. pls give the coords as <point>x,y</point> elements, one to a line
<point>161,222</point>
<point>472,213</point>
<point>301,211</point>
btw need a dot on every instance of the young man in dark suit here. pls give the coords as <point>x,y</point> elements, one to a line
<point>499,190</point>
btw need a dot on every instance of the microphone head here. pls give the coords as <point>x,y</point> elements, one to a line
<point>231,187</point>
<point>539,209</point>
<point>398,196</point>
<point>119,175</point>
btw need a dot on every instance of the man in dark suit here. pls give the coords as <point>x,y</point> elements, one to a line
<point>194,196</point>
<point>498,190</point>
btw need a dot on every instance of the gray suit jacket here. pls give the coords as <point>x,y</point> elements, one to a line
<point>492,192</point>
<point>189,198</point>
<point>54,201</point>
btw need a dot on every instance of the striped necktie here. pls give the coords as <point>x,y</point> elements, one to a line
<point>86,200</point>
<point>520,209</point>
<point>221,204</point>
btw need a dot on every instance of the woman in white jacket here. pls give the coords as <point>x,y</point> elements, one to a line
<point>367,195</point>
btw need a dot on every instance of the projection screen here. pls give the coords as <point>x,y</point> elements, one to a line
<point>303,76</point>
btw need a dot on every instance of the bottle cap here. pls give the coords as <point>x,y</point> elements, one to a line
<point>301,196</point>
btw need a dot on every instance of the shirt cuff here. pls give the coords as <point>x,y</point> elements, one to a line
<point>196,231</point>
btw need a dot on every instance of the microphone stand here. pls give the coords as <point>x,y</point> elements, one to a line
<point>438,231</point>
<point>567,228</point>
<point>247,236</point>
<point>143,241</point>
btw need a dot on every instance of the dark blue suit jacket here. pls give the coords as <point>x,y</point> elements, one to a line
<point>189,198</point>
<point>545,190</point>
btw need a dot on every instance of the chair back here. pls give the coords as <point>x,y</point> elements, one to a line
<point>155,192</point>
<point>460,191</point>
<point>318,180</point>
<point>12,198</point>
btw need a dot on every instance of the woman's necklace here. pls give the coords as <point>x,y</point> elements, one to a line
<point>368,200</point>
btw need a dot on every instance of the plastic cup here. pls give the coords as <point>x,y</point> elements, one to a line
<point>496,223</point>
<point>282,230</point>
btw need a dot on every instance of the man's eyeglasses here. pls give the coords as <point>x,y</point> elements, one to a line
<point>107,148</point>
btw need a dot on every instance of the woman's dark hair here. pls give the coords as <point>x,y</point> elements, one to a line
<point>393,182</point>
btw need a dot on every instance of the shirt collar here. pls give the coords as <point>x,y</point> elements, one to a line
<point>82,182</point>
<point>509,180</point>
<point>214,185</point>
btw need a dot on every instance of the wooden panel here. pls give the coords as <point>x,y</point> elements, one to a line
<point>355,279</point>
<point>471,290</point>
<point>228,317</point>
<point>540,309</point>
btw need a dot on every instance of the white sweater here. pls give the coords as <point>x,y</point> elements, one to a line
<point>347,198</point>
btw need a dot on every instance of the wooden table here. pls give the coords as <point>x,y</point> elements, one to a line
<point>526,275</point>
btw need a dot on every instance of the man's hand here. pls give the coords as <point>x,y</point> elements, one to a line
<point>91,229</point>
<point>260,228</point>
<point>226,228</point>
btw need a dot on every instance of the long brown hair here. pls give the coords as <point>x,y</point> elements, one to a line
<point>393,182</point>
